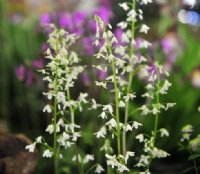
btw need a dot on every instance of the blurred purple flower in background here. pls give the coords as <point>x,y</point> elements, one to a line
<point>30,78</point>
<point>38,64</point>
<point>20,72</point>
<point>118,34</point>
<point>92,25</point>
<point>172,57</point>
<point>23,73</point>
<point>101,75</point>
<point>170,47</point>
<point>105,3</point>
<point>79,18</point>
<point>65,21</point>
<point>73,22</point>
<point>104,13</point>
<point>87,44</point>
<point>44,47</point>
<point>86,79</point>
<point>45,19</point>
<point>138,42</point>
<point>166,45</point>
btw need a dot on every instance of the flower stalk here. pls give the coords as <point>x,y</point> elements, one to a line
<point>117,110</point>
<point>157,115</point>
<point>55,123</point>
<point>130,78</point>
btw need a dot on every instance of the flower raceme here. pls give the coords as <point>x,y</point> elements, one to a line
<point>60,73</point>
<point>121,60</point>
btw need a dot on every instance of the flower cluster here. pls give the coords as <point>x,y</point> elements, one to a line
<point>120,60</point>
<point>191,144</point>
<point>26,74</point>
<point>60,73</point>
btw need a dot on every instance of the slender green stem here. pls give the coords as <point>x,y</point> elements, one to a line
<point>156,120</point>
<point>116,103</point>
<point>194,163</point>
<point>195,166</point>
<point>109,171</point>
<point>129,81</point>
<point>117,108</point>
<point>55,124</point>
<point>116,100</point>
<point>71,108</point>
<point>80,168</point>
<point>157,115</point>
<point>90,169</point>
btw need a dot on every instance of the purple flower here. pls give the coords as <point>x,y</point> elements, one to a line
<point>65,21</point>
<point>153,69</point>
<point>169,44</point>
<point>103,13</point>
<point>78,30</point>
<point>153,72</point>
<point>92,26</point>
<point>172,57</point>
<point>45,19</point>
<point>118,33</point>
<point>30,78</point>
<point>86,79</point>
<point>166,45</point>
<point>79,18</point>
<point>38,64</point>
<point>87,45</point>
<point>20,72</point>
<point>44,46</point>
<point>101,75</point>
<point>138,43</point>
<point>105,3</point>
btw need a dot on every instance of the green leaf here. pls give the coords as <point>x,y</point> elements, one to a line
<point>195,156</point>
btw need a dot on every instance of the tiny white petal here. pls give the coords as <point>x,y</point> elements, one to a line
<point>128,128</point>
<point>140,137</point>
<point>124,6</point>
<point>101,133</point>
<point>112,123</point>
<point>136,124</point>
<point>109,108</point>
<point>88,158</point>
<point>50,128</point>
<point>145,110</point>
<point>121,104</point>
<point>47,108</point>
<point>103,115</point>
<point>128,154</point>
<point>164,132</point>
<point>165,87</point>
<point>30,147</point>
<point>39,139</point>
<point>144,29</point>
<point>99,169</point>
<point>47,153</point>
